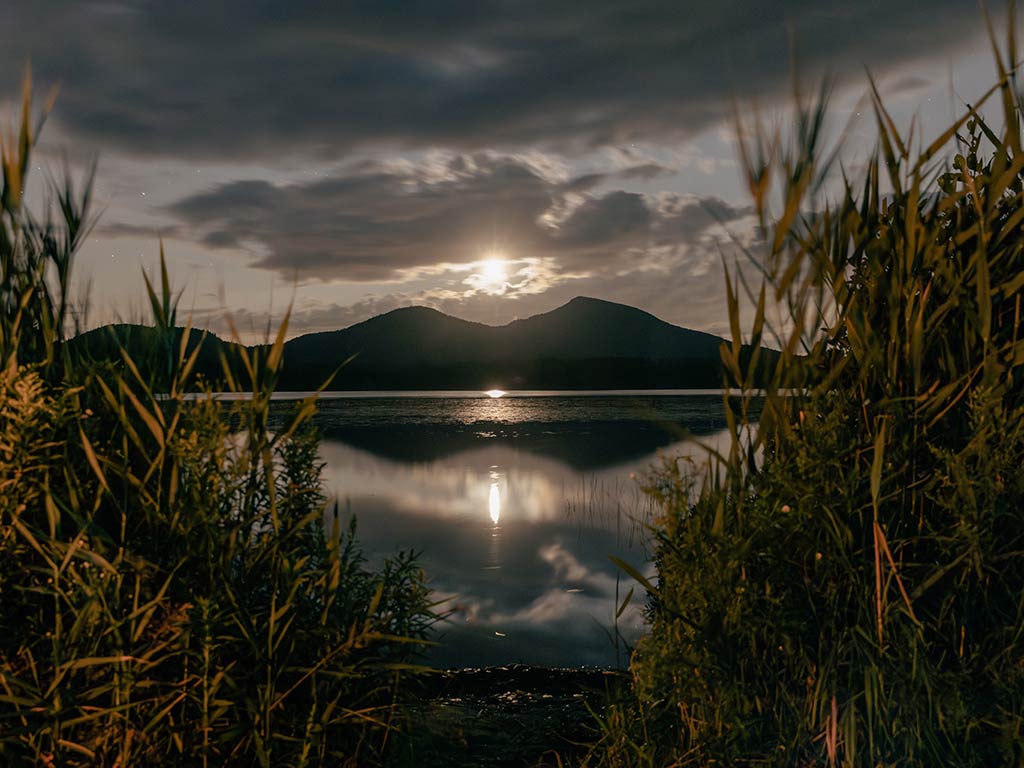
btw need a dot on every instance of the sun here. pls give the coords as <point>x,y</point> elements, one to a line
<point>495,269</point>
<point>492,273</point>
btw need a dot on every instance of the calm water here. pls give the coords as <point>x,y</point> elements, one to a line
<point>514,505</point>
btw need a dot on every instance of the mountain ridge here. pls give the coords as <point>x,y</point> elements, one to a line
<point>586,343</point>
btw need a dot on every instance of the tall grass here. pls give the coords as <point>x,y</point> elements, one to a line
<point>170,595</point>
<point>848,588</point>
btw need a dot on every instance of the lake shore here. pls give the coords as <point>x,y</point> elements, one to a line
<point>513,715</point>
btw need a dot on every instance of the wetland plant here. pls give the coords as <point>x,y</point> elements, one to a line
<point>169,594</point>
<point>848,587</point>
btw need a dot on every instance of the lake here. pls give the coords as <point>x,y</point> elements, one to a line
<point>514,505</point>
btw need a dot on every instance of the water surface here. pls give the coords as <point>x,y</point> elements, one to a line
<point>514,505</point>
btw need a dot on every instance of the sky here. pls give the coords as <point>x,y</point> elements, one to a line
<point>490,159</point>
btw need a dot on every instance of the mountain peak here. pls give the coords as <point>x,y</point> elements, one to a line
<point>590,300</point>
<point>604,308</point>
<point>415,309</point>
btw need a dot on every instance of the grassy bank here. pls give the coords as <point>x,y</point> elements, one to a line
<point>170,593</point>
<point>848,589</point>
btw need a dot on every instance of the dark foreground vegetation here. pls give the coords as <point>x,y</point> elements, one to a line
<point>844,586</point>
<point>847,587</point>
<point>170,592</point>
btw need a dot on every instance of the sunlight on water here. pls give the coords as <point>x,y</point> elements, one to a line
<point>494,503</point>
<point>495,393</point>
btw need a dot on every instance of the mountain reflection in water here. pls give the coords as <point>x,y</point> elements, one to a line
<point>514,509</point>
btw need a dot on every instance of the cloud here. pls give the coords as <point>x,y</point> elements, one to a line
<point>593,595</point>
<point>543,548</point>
<point>123,229</point>
<point>614,220</point>
<point>686,290</point>
<point>249,80</point>
<point>645,171</point>
<point>402,221</point>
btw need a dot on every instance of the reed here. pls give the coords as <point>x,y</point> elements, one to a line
<point>170,595</point>
<point>847,588</point>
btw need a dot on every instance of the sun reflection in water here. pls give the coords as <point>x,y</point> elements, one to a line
<point>494,507</point>
<point>495,393</point>
<point>494,503</point>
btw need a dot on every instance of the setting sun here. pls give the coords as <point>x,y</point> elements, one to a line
<point>492,273</point>
<point>494,270</point>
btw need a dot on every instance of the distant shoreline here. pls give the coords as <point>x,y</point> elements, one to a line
<point>360,394</point>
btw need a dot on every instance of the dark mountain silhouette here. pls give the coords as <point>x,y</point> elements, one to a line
<point>150,351</point>
<point>592,328</point>
<point>583,328</point>
<point>587,343</point>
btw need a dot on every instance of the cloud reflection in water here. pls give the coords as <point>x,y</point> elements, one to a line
<point>519,542</point>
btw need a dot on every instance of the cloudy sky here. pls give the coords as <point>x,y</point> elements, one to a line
<point>489,158</point>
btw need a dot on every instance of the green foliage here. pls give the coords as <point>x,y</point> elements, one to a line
<point>846,585</point>
<point>170,593</point>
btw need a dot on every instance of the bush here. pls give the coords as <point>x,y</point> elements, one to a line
<point>170,593</point>
<point>846,586</point>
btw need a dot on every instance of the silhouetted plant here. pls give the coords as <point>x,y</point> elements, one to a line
<point>170,595</point>
<point>36,255</point>
<point>846,585</point>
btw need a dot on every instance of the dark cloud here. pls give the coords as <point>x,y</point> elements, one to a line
<point>122,229</point>
<point>610,222</point>
<point>382,221</point>
<point>378,221</point>
<point>908,83</point>
<point>243,78</point>
<point>644,171</point>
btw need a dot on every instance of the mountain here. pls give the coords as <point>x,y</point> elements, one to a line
<point>587,343</point>
<point>149,350</point>
<point>592,328</point>
<point>584,344</point>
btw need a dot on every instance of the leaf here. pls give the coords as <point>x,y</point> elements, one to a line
<point>277,349</point>
<point>32,541</point>
<point>718,526</point>
<point>984,294</point>
<point>876,467</point>
<point>624,604</point>
<point>637,576</point>
<point>90,456</point>
<point>149,418</point>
